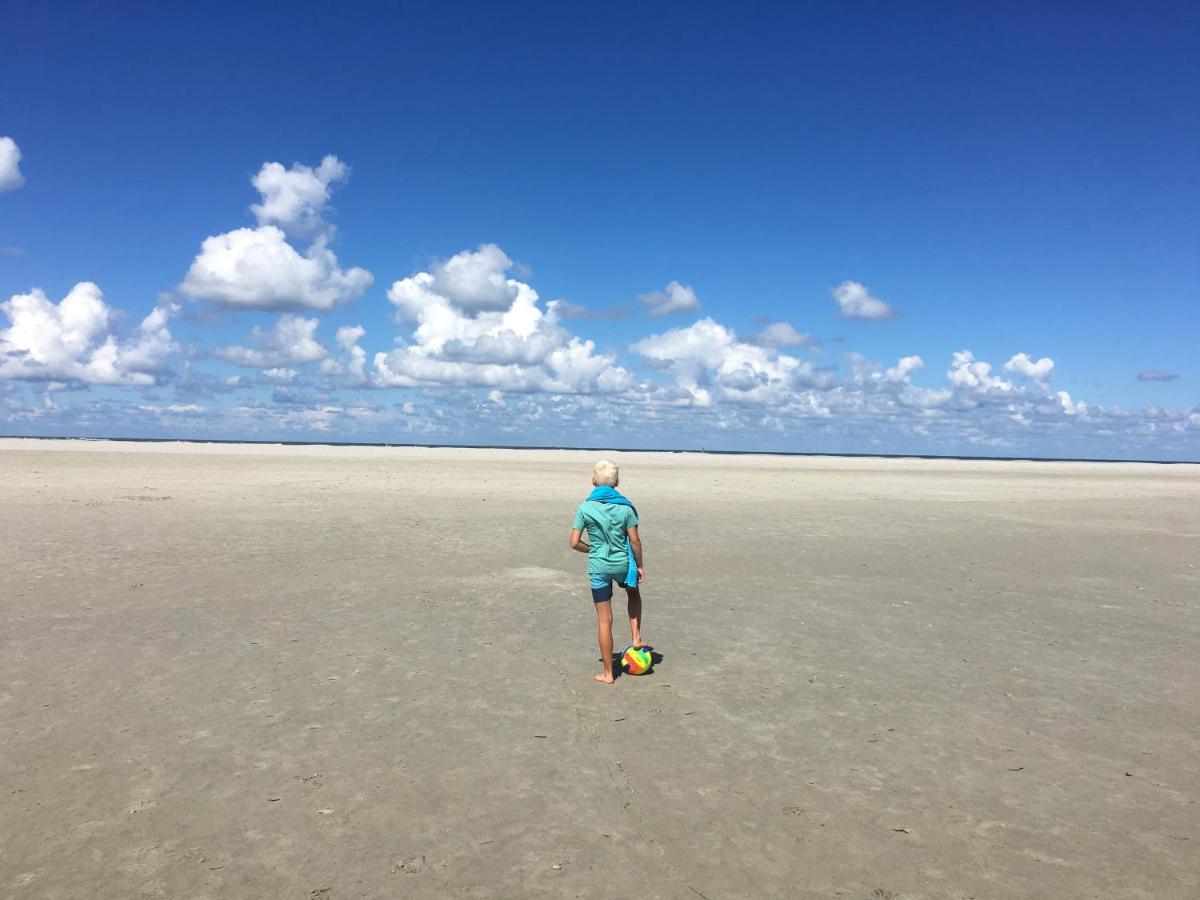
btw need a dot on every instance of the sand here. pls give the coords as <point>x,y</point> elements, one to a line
<point>338,673</point>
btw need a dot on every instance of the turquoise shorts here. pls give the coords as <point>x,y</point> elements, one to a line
<point>602,585</point>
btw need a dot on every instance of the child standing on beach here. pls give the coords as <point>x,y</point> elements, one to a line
<point>614,554</point>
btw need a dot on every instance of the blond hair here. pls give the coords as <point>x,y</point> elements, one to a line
<point>606,473</point>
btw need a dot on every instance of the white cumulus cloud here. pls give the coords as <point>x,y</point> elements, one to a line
<point>10,165</point>
<point>709,363</point>
<point>975,375</point>
<point>856,302</point>
<point>475,280</point>
<point>294,198</point>
<point>476,326</point>
<point>1022,365</point>
<point>1071,408</point>
<point>256,268</point>
<point>675,298</point>
<point>74,340</point>
<point>149,348</point>
<point>353,364</point>
<point>904,367</point>
<point>290,342</point>
<point>782,335</point>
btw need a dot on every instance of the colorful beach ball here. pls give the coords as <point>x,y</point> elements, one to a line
<point>636,660</point>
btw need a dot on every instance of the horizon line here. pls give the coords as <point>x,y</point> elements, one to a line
<point>426,445</point>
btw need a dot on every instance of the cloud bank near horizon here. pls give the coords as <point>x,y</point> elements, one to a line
<point>476,352</point>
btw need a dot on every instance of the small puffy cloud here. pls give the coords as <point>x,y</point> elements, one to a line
<point>675,298</point>
<point>1069,407</point>
<point>1022,365</point>
<point>294,198</point>
<point>150,347</point>
<point>256,268</point>
<point>291,342</point>
<point>10,165</point>
<point>1157,376</point>
<point>975,375</point>
<point>354,358</point>
<point>904,367</point>
<point>856,302</point>
<point>73,340</point>
<point>476,327</point>
<point>348,336</point>
<point>781,335</point>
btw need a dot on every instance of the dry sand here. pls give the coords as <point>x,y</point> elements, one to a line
<point>323,673</point>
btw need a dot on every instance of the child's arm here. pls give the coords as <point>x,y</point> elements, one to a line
<point>577,541</point>
<point>635,543</point>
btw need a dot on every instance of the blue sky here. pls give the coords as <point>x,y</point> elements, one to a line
<point>1016,179</point>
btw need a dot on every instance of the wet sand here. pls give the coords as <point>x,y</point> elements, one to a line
<point>341,673</point>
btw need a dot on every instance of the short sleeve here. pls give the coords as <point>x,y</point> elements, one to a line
<point>578,523</point>
<point>633,519</point>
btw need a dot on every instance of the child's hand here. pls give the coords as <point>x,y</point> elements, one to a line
<point>641,575</point>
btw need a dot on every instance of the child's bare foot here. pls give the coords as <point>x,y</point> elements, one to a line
<point>605,678</point>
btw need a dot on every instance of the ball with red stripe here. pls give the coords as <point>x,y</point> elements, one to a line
<point>636,660</point>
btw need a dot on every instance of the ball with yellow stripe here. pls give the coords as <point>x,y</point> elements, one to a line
<point>636,660</point>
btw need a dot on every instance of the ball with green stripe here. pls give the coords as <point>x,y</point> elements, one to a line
<point>636,660</point>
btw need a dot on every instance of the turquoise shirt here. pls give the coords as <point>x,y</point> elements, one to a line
<point>605,524</point>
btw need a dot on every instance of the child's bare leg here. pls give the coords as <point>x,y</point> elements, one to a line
<point>604,624</point>
<point>635,614</point>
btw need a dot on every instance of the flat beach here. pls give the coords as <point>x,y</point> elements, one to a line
<point>235,671</point>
